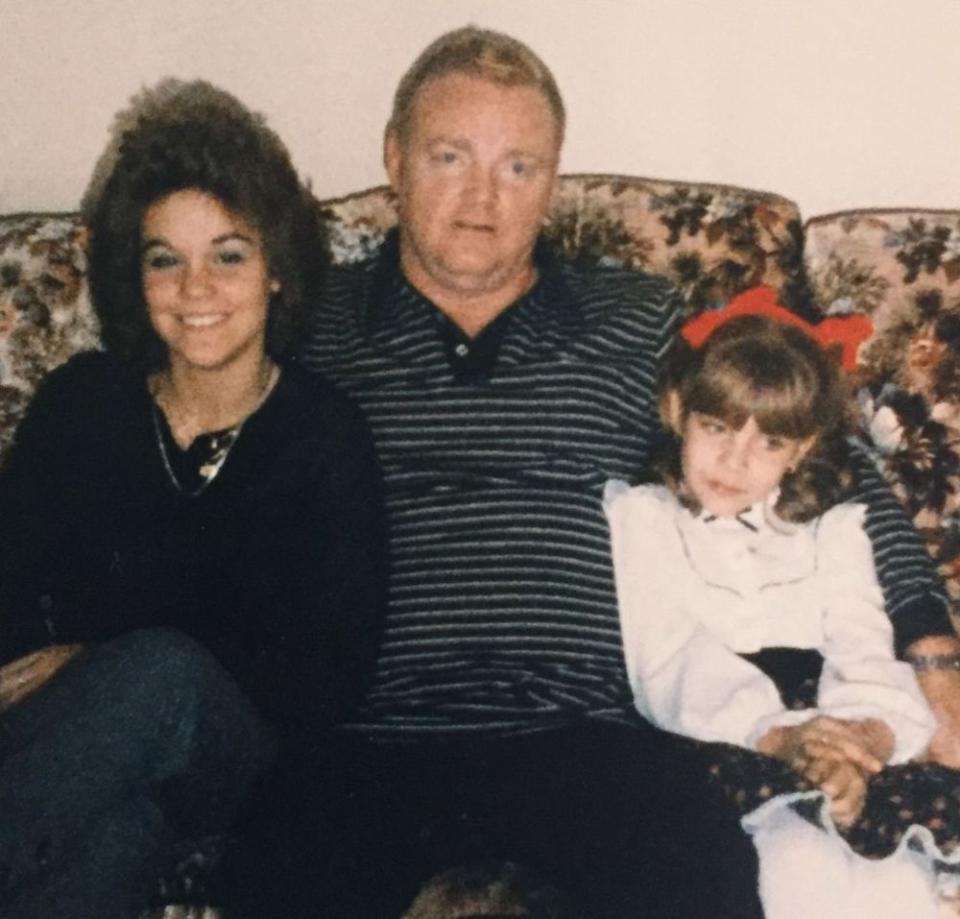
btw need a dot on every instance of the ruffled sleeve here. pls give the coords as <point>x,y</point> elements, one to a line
<point>861,677</point>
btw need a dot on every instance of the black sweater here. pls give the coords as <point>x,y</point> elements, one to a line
<point>277,567</point>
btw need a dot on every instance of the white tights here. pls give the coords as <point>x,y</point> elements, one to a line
<point>807,874</point>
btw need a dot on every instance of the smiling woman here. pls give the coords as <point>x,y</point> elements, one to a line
<point>194,521</point>
<point>205,281</point>
<point>207,287</point>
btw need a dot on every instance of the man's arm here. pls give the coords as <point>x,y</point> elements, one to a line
<point>917,604</point>
<point>936,659</point>
<point>913,593</point>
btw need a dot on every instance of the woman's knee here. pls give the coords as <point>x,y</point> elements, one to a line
<point>165,661</point>
<point>150,648</point>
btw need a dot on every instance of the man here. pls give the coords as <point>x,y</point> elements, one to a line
<point>504,388</point>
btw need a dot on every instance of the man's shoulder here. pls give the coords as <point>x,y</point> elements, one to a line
<point>345,283</point>
<point>336,322</point>
<point>602,276</point>
<point>622,310</point>
<point>602,290</point>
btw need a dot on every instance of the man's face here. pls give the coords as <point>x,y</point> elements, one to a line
<point>474,177</point>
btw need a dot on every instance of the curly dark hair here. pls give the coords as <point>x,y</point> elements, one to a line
<point>191,135</point>
<point>757,366</point>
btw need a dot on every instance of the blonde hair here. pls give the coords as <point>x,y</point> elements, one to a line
<point>754,366</point>
<point>482,53</point>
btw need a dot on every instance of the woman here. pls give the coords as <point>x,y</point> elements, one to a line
<point>196,515</point>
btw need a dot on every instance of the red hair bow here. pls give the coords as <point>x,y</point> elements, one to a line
<point>848,331</point>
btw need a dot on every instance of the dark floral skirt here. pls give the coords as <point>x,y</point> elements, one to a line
<point>898,799</point>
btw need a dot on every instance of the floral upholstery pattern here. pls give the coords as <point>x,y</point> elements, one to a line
<point>902,268</point>
<point>45,314</point>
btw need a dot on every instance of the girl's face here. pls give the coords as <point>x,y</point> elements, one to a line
<point>727,469</point>
<point>205,281</point>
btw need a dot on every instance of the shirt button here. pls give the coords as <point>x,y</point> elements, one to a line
<point>461,350</point>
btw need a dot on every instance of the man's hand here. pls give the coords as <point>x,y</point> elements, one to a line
<point>868,744</point>
<point>843,782</point>
<point>942,690</point>
<point>26,675</point>
<point>837,756</point>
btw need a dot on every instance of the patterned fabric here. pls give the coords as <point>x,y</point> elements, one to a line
<point>902,268</point>
<point>899,798</point>
<point>45,314</point>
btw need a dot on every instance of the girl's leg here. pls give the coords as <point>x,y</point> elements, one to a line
<point>912,794</point>
<point>804,871</point>
<point>901,886</point>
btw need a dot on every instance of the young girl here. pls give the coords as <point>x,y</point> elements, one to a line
<point>744,583</point>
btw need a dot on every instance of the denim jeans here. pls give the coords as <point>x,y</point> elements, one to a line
<point>138,744</point>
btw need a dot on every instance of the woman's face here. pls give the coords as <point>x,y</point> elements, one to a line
<point>205,281</point>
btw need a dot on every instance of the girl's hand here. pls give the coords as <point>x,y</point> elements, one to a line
<point>876,736</point>
<point>867,744</point>
<point>844,783</point>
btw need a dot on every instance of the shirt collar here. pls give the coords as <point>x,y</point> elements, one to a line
<point>397,314</point>
<point>747,553</point>
<point>760,517</point>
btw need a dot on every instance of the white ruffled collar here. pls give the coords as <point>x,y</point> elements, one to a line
<point>758,518</point>
<point>749,552</point>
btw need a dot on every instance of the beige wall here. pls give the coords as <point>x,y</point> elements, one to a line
<point>835,103</point>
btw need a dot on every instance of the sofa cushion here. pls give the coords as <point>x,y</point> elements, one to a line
<point>902,268</point>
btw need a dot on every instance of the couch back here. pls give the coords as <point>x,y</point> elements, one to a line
<point>900,267</point>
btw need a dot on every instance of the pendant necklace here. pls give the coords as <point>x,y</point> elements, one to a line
<point>220,442</point>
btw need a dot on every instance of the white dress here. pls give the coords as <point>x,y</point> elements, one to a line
<point>695,592</point>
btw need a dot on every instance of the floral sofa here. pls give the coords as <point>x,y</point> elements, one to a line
<point>902,268</point>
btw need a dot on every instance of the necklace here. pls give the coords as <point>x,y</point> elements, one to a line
<point>219,443</point>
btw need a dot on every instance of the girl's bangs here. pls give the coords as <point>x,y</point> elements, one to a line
<point>778,396</point>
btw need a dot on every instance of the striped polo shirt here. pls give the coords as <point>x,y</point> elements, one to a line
<point>502,611</point>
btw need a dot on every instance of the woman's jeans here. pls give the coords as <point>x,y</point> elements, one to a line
<point>137,745</point>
